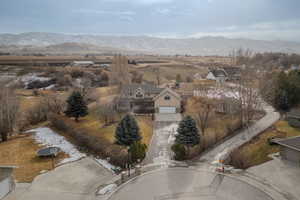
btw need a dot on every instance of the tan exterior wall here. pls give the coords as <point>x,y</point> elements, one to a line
<point>173,102</point>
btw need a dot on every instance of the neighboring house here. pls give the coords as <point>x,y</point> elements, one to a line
<point>167,102</point>
<point>289,149</point>
<point>82,63</point>
<point>7,183</point>
<point>233,73</point>
<point>138,98</point>
<point>218,75</point>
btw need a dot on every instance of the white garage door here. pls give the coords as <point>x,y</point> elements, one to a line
<point>167,109</point>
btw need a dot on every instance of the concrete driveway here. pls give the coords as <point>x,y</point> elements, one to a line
<point>187,184</point>
<point>75,181</point>
<point>165,127</point>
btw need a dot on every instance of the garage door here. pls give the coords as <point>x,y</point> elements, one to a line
<point>167,109</point>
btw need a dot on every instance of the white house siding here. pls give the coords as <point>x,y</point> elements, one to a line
<point>210,76</point>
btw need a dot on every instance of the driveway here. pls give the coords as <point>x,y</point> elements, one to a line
<point>187,184</point>
<point>222,150</point>
<point>75,181</point>
<point>165,127</point>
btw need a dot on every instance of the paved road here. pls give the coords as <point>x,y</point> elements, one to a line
<point>75,181</point>
<point>165,127</point>
<point>222,150</point>
<point>187,184</point>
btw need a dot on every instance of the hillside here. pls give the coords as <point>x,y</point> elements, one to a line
<point>54,42</point>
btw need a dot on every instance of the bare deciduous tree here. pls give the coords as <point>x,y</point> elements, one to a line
<point>9,108</point>
<point>119,71</point>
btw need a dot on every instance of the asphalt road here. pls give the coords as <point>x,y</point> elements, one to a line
<point>187,184</point>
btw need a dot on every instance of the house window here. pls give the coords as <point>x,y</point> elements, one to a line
<point>139,93</point>
<point>167,97</point>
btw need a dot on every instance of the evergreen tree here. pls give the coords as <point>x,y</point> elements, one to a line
<point>76,106</point>
<point>188,134</point>
<point>137,151</point>
<point>127,131</point>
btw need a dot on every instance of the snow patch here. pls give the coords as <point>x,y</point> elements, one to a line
<point>107,189</point>
<point>49,138</point>
<point>105,164</point>
<point>45,136</point>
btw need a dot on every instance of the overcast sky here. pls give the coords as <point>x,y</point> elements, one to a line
<point>257,19</point>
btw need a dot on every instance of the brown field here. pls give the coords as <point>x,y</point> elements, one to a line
<point>21,151</point>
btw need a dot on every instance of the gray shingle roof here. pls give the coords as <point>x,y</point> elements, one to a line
<point>147,88</point>
<point>293,143</point>
<point>232,71</point>
<point>218,73</point>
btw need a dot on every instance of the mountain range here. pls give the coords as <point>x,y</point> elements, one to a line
<point>36,42</point>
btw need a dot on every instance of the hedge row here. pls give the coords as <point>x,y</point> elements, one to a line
<point>95,145</point>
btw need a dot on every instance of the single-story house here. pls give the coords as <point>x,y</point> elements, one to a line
<point>167,102</point>
<point>233,73</point>
<point>218,75</point>
<point>147,98</point>
<point>289,149</point>
<point>7,183</point>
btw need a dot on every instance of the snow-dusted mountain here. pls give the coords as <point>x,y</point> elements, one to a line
<point>194,46</point>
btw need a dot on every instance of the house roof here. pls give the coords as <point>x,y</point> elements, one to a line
<point>169,91</point>
<point>218,73</point>
<point>147,88</point>
<point>232,71</point>
<point>292,143</point>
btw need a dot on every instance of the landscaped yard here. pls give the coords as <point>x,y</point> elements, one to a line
<point>21,152</point>
<point>257,150</point>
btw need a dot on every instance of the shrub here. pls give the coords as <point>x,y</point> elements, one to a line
<point>95,145</point>
<point>37,114</point>
<point>180,151</point>
<point>137,151</point>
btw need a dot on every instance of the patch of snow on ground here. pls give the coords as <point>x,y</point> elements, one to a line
<point>107,189</point>
<point>217,93</point>
<point>49,138</point>
<point>105,164</point>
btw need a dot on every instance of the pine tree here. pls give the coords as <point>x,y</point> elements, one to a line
<point>127,131</point>
<point>188,134</point>
<point>76,106</point>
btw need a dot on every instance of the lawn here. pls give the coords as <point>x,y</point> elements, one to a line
<point>257,150</point>
<point>93,126</point>
<point>21,152</point>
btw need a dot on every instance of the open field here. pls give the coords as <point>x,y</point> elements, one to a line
<point>257,150</point>
<point>168,72</point>
<point>21,151</point>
